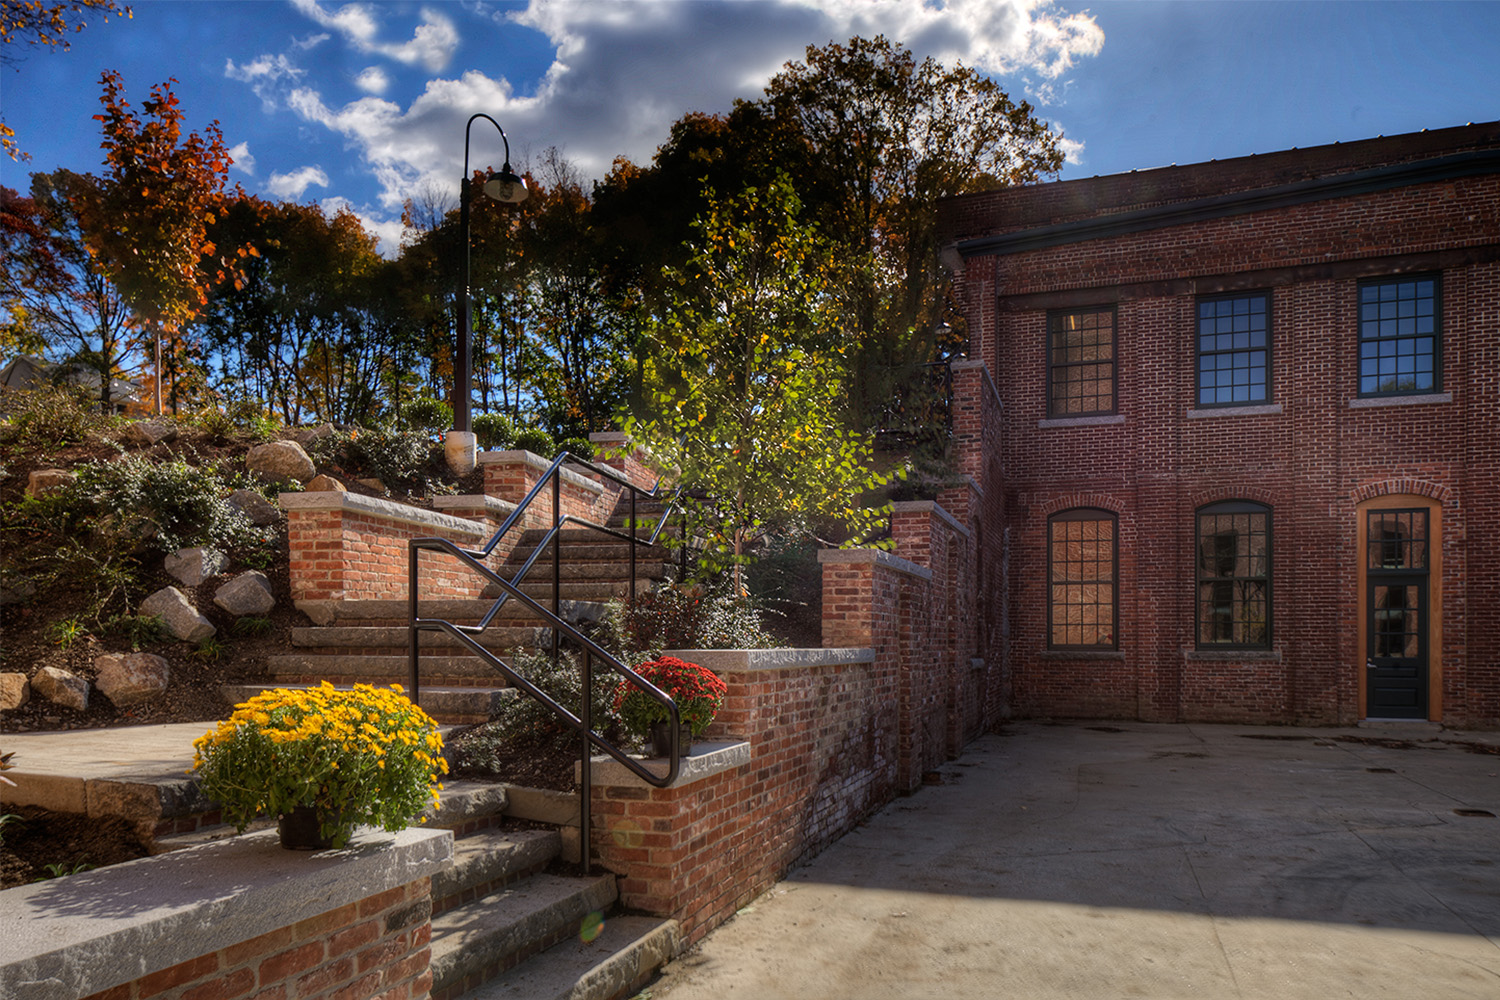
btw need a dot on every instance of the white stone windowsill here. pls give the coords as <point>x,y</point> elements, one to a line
<point>1258,410</point>
<point>1052,423</point>
<point>1367,402</point>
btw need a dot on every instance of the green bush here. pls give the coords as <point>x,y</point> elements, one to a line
<point>526,724</point>
<point>536,441</point>
<point>397,458</point>
<point>157,506</point>
<point>495,431</point>
<point>683,618</point>
<point>577,447</point>
<point>426,414</point>
<point>53,415</point>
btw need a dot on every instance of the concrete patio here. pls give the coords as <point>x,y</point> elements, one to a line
<point>1107,860</point>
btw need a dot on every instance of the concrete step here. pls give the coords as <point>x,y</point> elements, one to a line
<point>396,611</point>
<point>601,549</point>
<point>341,668</point>
<point>573,568</point>
<point>488,860</point>
<point>390,638</point>
<point>580,590</point>
<point>622,959</point>
<point>447,705</point>
<point>475,942</point>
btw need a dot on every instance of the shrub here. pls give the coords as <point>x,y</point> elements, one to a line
<point>525,723</point>
<point>397,458</point>
<point>53,415</point>
<point>495,431</point>
<point>426,414</point>
<point>577,447</point>
<point>683,618</point>
<point>536,441</point>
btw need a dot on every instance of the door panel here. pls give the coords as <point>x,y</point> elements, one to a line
<point>1396,615</point>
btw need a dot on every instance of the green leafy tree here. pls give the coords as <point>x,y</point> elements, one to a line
<point>886,138</point>
<point>745,385</point>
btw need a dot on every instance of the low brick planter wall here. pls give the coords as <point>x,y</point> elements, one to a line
<point>238,918</point>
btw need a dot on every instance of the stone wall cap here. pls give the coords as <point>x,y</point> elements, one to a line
<point>929,507</point>
<point>76,936</point>
<point>876,557</point>
<point>709,757</point>
<point>785,658</point>
<point>358,503</point>
<point>468,501</point>
<point>540,464</point>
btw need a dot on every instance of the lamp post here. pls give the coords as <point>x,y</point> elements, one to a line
<point>507,187</point>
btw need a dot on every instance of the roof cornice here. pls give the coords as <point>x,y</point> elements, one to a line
<point>1384,178</point>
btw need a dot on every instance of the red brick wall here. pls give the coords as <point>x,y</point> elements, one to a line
<point>357,555</point>
<point>1311,457</point>
<point>512,475</point>
<point>377,947</point>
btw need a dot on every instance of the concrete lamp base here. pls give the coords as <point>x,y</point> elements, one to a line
<point>460,448</point>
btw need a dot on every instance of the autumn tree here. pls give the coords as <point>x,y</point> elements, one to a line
<point>57,299</point>
<point>744,388</point>
<point>36,24</point>
<point>888,137</point>
<point>147,221</point>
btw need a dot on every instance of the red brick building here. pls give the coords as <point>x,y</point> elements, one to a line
<point>1235,428</point>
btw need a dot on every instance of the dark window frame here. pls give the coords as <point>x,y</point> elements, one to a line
<point>1233,578</point>
<point>1085,514</point>
<point>1268,395</point>
<point>1054,319</point>
<point>1361,328</point>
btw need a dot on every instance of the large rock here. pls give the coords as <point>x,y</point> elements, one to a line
<point>46,480</point>
<point>15,587</point>
<point>149,432</point>
<point>257,508</point>
<point>14,691</point>
<point>191,567</point>
<point>307,435</point>
<point>277,461</point>
<point>61,688</point>
<point>325,484</point>
<point>177,613</point>
<point>131,678</point>
<point>247,594</point>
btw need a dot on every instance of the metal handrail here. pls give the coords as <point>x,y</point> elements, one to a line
<point>474,559</point>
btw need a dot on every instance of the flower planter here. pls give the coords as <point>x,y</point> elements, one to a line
<point>300,830</point>
<point>661,739</point>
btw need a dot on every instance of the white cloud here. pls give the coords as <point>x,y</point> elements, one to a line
<point>243,161</point>
<point>373,81</point>
<point>265,75</point>
<point>622,73</point>
<point>291,186</point>
<point>431,44</point>
<point>1072,150</point>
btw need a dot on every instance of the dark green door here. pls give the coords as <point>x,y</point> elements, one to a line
<point>1396,685</point>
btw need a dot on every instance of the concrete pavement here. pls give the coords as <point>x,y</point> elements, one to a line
<point>1135,860</point>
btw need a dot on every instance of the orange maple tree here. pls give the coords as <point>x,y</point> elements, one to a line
<point>147,223</point>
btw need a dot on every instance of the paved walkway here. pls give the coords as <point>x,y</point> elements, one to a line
<point>1132,860</point>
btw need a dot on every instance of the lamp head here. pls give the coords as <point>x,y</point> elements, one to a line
<point>506,186</point>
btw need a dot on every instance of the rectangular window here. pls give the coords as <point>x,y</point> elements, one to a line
<point>1081,362</point>
<point>1400,336</point>
<point>1234,350</point>
<point>1234,576</point>
<point>1081,567</point>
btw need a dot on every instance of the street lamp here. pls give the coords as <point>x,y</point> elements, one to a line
<point>507,187</point>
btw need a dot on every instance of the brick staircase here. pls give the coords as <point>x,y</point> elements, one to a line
<point>365,641</point>
<point>505,922</point>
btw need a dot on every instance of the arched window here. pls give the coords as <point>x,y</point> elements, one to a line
<point>1234,576</point>
<point>1082,566</point>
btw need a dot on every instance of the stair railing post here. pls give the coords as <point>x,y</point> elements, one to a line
<point>586,773</point>
<point>632,545</point>
<point>413,680</point>
<point>556,560</point>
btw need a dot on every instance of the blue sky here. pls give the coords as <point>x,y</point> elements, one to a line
<point>363,104</point>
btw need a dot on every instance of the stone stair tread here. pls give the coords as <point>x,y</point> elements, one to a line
<point>379,667</point>
<point>495,856</point>
<point>395,636</point>
<point>627,952</point>
<point>465,610</point>
<point>495,927</point>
